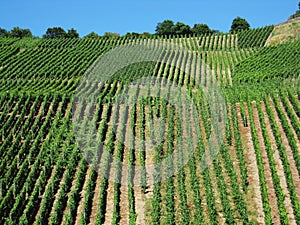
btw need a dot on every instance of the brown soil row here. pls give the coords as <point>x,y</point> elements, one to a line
<point>255,205</point>
<point>279,165</point>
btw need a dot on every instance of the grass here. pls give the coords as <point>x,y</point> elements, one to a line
<point>286,32</point>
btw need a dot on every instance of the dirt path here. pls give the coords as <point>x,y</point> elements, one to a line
<point>109,203</point>
<point>223,42</point>
<point>289,151</point>
<point>229,77</point>
<point>296,139</point>
<point>234,40</point>
<point>232,148</point>
<point>256,207</point>
<point>229,189</point>
<point>56,196</point>
<point>124,202</point>
<point>69,193</point>
<point>203,197</point>
<point>46,111</point>
<point>290,122</point>
<point>215,41</point>
<point>124,205</point>
<point>95,203</point>
<point>279,166</point>
<point>218,204</point>
<point>46,187</point>
<point>292,107</point>
<point>109,208</point>
<point>75,109</point>
<point>213,176</point>
<point>188,188</point>
<point>199,175</point>
<point>82,196</point>
<point>269,181</point>
<point>140,202</point>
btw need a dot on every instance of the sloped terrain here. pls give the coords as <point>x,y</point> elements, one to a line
<point>45,178</point>
<point>285,32</point>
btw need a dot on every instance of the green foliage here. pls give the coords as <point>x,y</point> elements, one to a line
<point>27,42</point>
<point>111,35</point>
<point>201,29</point>
<point>51,55</point>
<point>239,24</point>
<point>55,32</point>
<point>254,37</point>
<point>44,178</point>
<point>165,28</point>
<point>18,32</point>
<point>296,14</point>
<point>269,62</point>
<point>92,35</point>
<point>134,35</point>
<point>72,33</point>
<point>4,33</point>
<point>58,32</point>
<point>145,35</point>
<point>181,29</point>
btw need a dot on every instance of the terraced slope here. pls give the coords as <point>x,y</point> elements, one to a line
<point>45,177</point>
<point>279,61</point>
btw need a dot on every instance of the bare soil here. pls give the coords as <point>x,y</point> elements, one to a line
<point>255,206</point>
<point>279,166</point>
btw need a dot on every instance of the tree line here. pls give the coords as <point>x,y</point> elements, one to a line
<point>16,32</point>
<point>55,32</point>
<point>165,28</point>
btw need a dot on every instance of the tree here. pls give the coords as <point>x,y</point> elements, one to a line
<point>4,33</point>
<point>297,14</point>
<point>200,29</point>
<point>55,32</point>
<point>165,28</point>
<point>20,33</point>
<point>92,35</point>
<point>146,35</point>
<point>132,35</point>
<point>72,33</point>
<point>181,29</point>
<point>111,34</point>
<point>239,24</point>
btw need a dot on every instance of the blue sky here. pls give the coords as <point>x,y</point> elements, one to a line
<point>138,15</point>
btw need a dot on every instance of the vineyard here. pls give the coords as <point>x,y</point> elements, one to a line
<point>254,179</point>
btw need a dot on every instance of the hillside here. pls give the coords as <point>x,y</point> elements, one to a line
<point>279,61</point>
<point>217,115</point>
<point>285,32</point>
